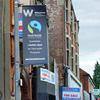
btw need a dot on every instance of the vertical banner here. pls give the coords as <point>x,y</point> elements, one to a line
<point>34,35</point>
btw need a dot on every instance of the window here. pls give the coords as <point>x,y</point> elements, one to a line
<point>72,51</point>
<point>67,43</point>
<point>66,3</point>
<point>67,58</point>
<point>67,16</point>
<point>76,70</point>
<point>72,64</point>
<point>76,59</point>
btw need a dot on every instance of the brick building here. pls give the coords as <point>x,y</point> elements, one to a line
<point>26,89</point>
<point>88,85</point>
<point>87,81</point>
<point>63,28</point>
<point>63,36</point>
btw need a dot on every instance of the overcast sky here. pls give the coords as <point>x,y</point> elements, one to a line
<point>88,14</point>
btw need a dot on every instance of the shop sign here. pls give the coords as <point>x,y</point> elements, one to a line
<point>47,76</point>
<point>96,91</point>
<point>70,93</point>
<point>35,49</point>
<point>20,25</point>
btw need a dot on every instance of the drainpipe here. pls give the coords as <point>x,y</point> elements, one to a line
<point>65,29</point>
<point>65,42</point>
<point>65,66</point>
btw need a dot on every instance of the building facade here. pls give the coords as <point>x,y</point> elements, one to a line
<point>4,51</point>
<point>88,85</point>
<point>63,30</point>
<point>25,71</point>
<point>87,81</point>
<point>63,33</point>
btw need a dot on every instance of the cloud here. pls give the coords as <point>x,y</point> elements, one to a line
<point>88,66</point>
<point>88,14</point>
<point>89,60</point>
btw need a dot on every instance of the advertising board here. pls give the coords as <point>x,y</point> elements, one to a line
<point>47,76</point>
<point>20,25</point>
<point>70,93</point>
<point>96,91</point>
<point>34,35</point>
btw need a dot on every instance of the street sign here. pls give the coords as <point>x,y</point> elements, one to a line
<point>47,76</point>
<point>34,35</point>
<point>70,93</point>
<point>96,91</point>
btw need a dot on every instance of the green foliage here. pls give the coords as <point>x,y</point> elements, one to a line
<point>96,76</point>
<point>52,66</point>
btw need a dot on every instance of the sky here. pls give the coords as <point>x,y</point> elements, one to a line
<point>88,14</point>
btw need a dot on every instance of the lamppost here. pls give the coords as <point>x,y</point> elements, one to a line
<point>17,62</point>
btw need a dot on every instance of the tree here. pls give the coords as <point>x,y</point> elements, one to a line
<point>96,76</point>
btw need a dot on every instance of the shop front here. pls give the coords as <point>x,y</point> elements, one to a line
<point>43,84</point>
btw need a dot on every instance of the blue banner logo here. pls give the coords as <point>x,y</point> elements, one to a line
<point>34,24</point>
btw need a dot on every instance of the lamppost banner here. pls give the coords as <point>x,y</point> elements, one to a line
<point>34,35</point>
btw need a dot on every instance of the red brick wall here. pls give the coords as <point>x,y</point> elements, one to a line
<point>56,34</point>
<point>84,80</point>
<point>11,10</point>
<point>26,88</point>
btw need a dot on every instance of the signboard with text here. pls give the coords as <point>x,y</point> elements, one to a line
<point>20,25</point>
<point>34,35</point>
<point>47,76</point>
<point>70,93</point>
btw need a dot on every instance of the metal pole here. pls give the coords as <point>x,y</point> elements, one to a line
<point>16,35</point>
